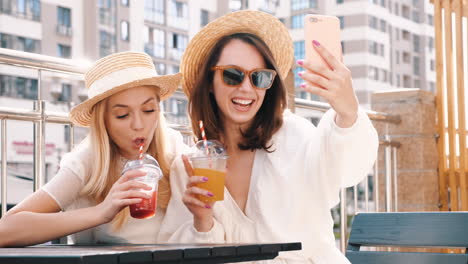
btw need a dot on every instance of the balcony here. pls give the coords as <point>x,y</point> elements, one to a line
<point>64,30</point>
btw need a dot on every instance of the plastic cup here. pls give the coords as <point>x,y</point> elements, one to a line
<point>147,207</point>
<point>212,165</point>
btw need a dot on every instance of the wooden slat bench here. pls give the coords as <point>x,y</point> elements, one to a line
<point>421,229</point>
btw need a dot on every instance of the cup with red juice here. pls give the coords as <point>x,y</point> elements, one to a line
<point>147,207</point>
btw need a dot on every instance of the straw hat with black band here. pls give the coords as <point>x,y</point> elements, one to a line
<point>265,26</point>
<point>118,72</point>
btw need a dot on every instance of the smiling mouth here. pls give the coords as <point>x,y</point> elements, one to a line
<point>242,102</point>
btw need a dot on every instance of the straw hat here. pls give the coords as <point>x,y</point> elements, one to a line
<point>117,72</point>
<point>263,25</point>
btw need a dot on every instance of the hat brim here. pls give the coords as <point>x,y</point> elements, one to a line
<point>265,26</point>
<point>166,85</point>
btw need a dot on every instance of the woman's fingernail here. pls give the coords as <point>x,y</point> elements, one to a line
<point>205,179</point>
<point>300,62</point>
<point>210,194</point>
<point>300,74</point>
<point>303,85</point>
<point>207,206</point>
<point>316,43</point>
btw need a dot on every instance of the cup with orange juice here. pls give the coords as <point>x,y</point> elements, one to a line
<point>209,159</point>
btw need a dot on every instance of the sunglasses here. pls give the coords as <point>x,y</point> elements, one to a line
<point>234,76</point>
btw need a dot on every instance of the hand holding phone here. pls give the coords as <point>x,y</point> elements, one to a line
<point>325,30</point>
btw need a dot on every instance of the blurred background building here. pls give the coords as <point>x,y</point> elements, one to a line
<point>387,44</point>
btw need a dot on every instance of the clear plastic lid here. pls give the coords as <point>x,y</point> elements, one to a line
<point>215,150</point>
<point>147,162</point>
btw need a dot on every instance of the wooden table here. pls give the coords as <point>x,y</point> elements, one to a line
<point>145,254</point>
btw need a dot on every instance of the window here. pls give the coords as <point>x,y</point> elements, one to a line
<point>64,16</point>
<point>405,11</point>
<point>107,12</point>
<point>397,57</point>
<point>25,9</point>
<point>64,51</point>
<point>406,57</point>
<point>124,31</point>
<point>432,65</point>
<point>339,1</point>
<point>125,3</point>
<point>373,47</point>
<point>405,35</point>
<point>373,73</point>
<point>297,21</point>
<point>397,33</point>
<point>407,81</point>
<point>303,4</point>
<point>204,17</point>
<point>18,87</point>
<point>299,53</point>
<point>416,44</point>
<point>64,21</point>
<point>397,9</point>
<point>415,16</point>
<point>382,3</point>
<point>154,11</point>
<point>178,43</point>
<point>382,50</point>
<point>373,22</point>
<point>19,43</point>
<point>65,96</point>
<point>417,84</point>
<point>430,19</point>
<point>430,43</point>
<point>398,79</point>
<point>107,43</point>
<point>383,25</point>
<point>178,14</point>
<point>155,42</point>
<point>383,75</point>
<point>432,87</point>
<point>416,67</point>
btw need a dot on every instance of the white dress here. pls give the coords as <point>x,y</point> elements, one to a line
<point>291,190</point>
<point>66,185</point>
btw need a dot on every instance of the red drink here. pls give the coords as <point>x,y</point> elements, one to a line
<point>146,208</point>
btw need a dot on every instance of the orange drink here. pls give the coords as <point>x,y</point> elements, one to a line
<point>215,184</point>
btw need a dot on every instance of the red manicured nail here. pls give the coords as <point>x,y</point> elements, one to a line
<point>300,62</point>
<point>207,206</point>
<point>316,43</point>
<point>205,179</point>
<point>210,194</point>
<point>300,74</point>
<point>303,85</point>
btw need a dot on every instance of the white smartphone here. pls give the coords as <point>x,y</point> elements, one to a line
<point>326,30</point>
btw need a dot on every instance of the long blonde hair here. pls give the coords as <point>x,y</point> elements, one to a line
<point>105,168</point>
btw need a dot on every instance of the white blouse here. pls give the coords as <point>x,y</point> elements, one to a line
<point>291,190</point>
<point>66,185</point>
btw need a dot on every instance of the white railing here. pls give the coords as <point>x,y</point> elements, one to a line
<point>39,116</point>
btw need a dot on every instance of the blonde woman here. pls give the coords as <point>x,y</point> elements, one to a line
<point>89,197</point>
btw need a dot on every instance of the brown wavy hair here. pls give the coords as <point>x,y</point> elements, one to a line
<point>202,103</point>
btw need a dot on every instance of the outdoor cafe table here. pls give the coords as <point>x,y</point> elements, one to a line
<point>145,254</point>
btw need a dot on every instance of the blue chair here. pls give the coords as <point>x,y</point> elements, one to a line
<point>421,229</point>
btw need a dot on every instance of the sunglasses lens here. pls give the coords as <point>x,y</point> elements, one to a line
<point>262,79</point>
<point>233,76</point>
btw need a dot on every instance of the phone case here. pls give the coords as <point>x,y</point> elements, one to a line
<point>325,30</point>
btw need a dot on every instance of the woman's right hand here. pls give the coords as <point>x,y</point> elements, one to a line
<point>202,212</point>
<point>123,193</point>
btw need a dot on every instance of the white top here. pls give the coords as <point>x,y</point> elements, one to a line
<point>66,185</point>
<point>291,190</point>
